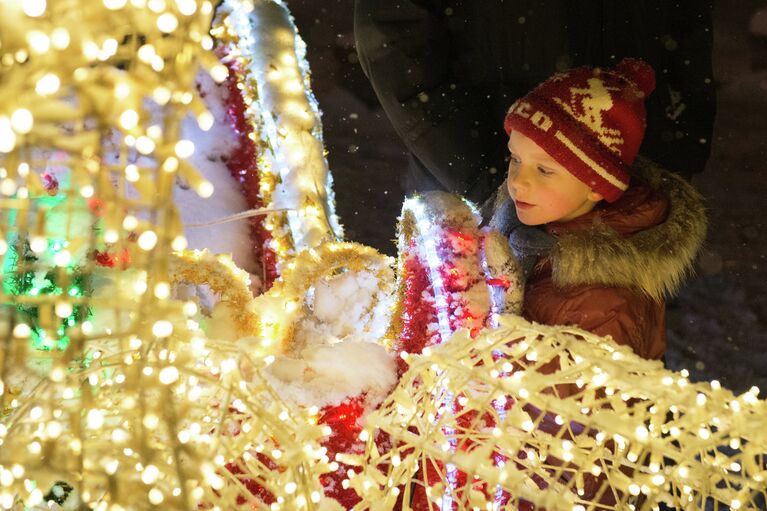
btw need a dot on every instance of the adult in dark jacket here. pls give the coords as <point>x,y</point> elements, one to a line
<point>445,72</point>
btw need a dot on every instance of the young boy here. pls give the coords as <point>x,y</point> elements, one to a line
<point>602,235</point>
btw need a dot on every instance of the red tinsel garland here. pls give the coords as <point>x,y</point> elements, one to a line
<point>453,248</point>
<point>419,299</point>
<point>243,165</point>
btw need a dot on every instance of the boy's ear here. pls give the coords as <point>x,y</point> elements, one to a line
<point>594,196</point>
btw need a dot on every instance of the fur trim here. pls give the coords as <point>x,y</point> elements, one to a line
<point>655,260</point>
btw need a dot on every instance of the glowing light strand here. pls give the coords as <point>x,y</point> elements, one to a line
<point>289,119</point>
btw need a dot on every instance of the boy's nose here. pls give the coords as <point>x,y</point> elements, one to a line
<point>518,178</point>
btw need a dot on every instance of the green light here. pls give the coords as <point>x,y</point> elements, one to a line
<point>23,275</point>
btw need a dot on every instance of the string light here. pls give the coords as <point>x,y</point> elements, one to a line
<point>48,84</point>
<point>205,189</point>
<point>205,121</point>
<point>130,222</point>
<point>7,136</point>
<point>22,121</point>
<point>167,22</point>
<point>34,9</point>
<point>184,149</point>
<point>147,240</point>
<point>145,145</point>
<point>129,119</point>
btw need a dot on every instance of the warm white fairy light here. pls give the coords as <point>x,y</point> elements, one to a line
<point>38,244</point>
<point>168,375</point>
<point>115,5</point>
<point>179,243</point>
<point>184,149</point>
<point>145,145</point>
<point>147,240</point>
<point>205,189</point>
<point>48,84</point>
<point>161,94</point>
<point>186,7</point>
<point>87,191</point>
<point>205,121</point>
<point>129,119</point>
<point>167,22</point>
<point>162,290</point>
<point>38,41</point>
<point>219,73</point>
<point>34,8</point>
<point>63,309</point>
<point>7,136</point>
<point>130,222</point>
<point>22,121</point>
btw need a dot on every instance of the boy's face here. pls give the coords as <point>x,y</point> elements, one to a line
<point>543,190</point>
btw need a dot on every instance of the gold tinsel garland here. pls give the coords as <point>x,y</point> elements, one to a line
<point>282,306</point>
<point>224,278</point>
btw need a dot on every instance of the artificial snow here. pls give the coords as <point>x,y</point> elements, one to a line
<point>349,303</point>
<point>335,353</point>
<point>212,149</point>
<point>328,374</point>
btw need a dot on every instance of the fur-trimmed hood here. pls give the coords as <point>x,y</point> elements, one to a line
<point>654,258</point>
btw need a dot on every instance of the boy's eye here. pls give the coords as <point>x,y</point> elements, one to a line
<point>544,171</point>
<point>515,159</point>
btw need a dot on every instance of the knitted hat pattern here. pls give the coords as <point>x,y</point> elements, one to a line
<point>590,120</point>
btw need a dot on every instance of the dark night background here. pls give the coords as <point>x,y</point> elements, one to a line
<point>716,325</point>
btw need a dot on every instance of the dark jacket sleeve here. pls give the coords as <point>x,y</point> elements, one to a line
<point>446,71</point>
<point>407,52</point>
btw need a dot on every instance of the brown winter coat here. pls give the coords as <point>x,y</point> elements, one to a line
<point>609,270</point>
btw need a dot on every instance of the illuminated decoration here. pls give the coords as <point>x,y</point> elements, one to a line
<point>310,360</point>
<point>96,90</point>
<point>281,309</point>
<point>167,416</point>
<point>588,425</point>
<point>450,272</point>
<point>275,318</point>
<point>22,282</point>
<point>469,276</point>
<point>260,41</point>
<point>224,278</point>
<point>330,350</point>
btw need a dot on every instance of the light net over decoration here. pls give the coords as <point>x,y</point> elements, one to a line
<point>527,415</point>
<point>106,383</point>
<point>629,435</point>
<point>289,400</point>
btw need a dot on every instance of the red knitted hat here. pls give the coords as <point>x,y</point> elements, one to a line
<point>590,120</point>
